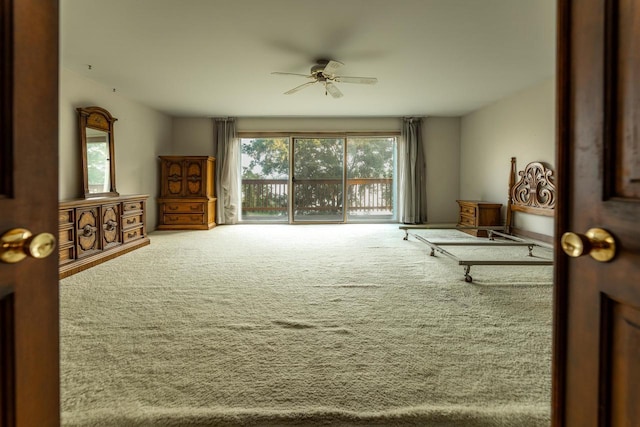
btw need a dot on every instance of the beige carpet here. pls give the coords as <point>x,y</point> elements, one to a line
<point>276,325</point>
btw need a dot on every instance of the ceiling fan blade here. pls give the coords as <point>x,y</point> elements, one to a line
<point>291,74</point>
<point>298,88</point>
<point>360,80</point>
<point>333,90</point>
<point>331,67</point>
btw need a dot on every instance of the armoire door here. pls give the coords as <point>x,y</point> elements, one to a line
<point>195,173</point>
<point>596,378</point>
<point>29,349</point>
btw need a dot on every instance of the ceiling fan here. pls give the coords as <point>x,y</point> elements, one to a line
<point>324,72</point>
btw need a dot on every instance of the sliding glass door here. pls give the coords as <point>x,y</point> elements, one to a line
<point>318,179</point>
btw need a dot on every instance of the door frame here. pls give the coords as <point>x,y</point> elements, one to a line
<point>563,157</point>
<point>346,136</point>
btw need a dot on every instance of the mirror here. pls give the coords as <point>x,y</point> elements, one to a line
<point>98,160</point>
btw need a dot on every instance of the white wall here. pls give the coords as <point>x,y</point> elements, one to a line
<point>521,126</point>
<point>318,124</point>
<point>141,134</point>
<point>194,136</point>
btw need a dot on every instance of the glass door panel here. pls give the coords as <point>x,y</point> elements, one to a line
<point>318,179</point>
<point>370,178</point>
<point>265,179</point>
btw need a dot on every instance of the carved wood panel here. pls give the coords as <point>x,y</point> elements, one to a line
<point>621,362</point>
<point>87,229</point>
<point>110,228</point>
<point>535,188</point>
<point>623,88</point>
<point>174,178</point>
<point>98,121</point>
<point>194,177</point>
<point>6,87</point>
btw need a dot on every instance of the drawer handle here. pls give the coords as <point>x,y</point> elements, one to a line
<point>110,225</point>
<point>172,208</point>
<point>131,221</point>
<point>195,207</point>
<point>130,235</point>
<point>88,231</point>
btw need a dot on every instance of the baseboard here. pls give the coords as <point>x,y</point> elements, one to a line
<point>532,235</point>
<point>74,267</point>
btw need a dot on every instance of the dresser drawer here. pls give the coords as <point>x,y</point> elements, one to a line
<point>132,234</point>
<point>134,205</point>
<point>65,216</point>
<point>65,236</point>
<point>466,220</point>
<point>183,219</point>
<point>467,210</point>
<point>183,207</point>
<point>132,221</point>
<point>67,254</point>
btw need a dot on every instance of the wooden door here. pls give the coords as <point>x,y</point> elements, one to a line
<point>29,367</point>
<point>110,230</point>
<point>87,231</point>
<point>597,312</point>
<point>172,177</point>
<point>195,174</point>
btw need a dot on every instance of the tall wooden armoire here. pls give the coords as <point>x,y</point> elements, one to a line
<point>186,197</point>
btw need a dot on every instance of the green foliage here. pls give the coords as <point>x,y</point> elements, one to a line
<point>370,158</point>
<point>317,159</point>
<point>97,164</point>
<point>268,158</point>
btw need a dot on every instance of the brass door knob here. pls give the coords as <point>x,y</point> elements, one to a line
<point>596,242</point>
<point>18,243</point>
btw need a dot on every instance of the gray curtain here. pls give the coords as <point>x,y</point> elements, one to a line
<point>227,151</point>
<point>413,174</point>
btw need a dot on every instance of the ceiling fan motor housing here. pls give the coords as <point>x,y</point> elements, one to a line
<point>318,68</point>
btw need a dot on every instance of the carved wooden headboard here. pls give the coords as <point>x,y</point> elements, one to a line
<point>534,192</point>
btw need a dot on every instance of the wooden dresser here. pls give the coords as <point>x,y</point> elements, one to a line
<point>95,230</point>
<point>186,197</point>
<point>478,214</point>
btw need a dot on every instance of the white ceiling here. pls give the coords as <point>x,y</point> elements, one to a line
<point>214,57</point>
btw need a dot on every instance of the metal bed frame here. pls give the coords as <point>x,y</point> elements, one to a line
<point>534,193</point>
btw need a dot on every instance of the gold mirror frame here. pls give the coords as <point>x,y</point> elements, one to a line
<point>99,121</point>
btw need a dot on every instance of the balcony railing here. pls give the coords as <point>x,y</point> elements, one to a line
<point>365,196</point>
